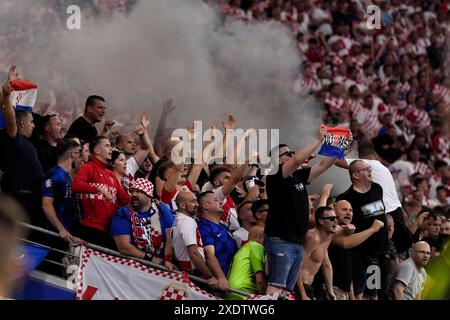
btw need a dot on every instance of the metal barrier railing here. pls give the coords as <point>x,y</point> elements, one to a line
<point>111,252</point>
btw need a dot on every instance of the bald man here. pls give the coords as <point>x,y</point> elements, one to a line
<point>410,277</point>
<point>339,251</point>
<point>247,268</point>
<point>186,240</point>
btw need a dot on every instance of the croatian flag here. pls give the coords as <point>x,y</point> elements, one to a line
<point>23,97</point>
<point>336,141</point>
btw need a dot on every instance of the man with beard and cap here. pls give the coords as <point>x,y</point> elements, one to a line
<point>339,250</point>
<point>410,277</point>
<point>316,255</point>
<point>142,229</point>
<point>101,194</point>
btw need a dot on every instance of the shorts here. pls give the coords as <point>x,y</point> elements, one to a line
<point>369,275</point>
<point>284,260</point>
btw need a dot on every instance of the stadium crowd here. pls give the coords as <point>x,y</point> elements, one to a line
<point>228,223</point>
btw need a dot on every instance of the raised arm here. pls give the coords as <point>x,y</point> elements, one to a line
<point>167,108</point>
<point>321,167</point>
<point>348,242</point>
<point>171,182</point>
<point>325,195</point>
<point>144,140</point>
<point>9,113</point>
<point>303,154</point>
<point>236,176</point>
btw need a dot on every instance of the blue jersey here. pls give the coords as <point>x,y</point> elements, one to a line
<point>58,185</point>
<point>220,237</point>
<point>147,230</point>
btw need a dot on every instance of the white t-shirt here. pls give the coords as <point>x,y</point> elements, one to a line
<point>412,278</point>
<point>382,176</point>
<point>240,235</point>
<point>230,213</point>
<point>405,171</point>
<point>132,166</point>
<point>185,233</point>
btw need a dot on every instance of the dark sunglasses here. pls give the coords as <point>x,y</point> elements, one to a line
<point>334,218</point>
<point>287,153</point>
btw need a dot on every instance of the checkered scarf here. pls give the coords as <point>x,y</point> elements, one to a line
<point>146,232</point>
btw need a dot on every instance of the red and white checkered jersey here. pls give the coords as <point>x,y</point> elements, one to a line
<point>334,103</point>
<point>404,88</point>
<point>442,92</point>
<point>229,216</point>
<point>418,118</point>
<point>359,61</point>
<point>420,167</point>
<point>335,60</point>
<point>354,105</point>
<point>310,85</point>
<point>185,233</point>
<point>368,119</point>
<point>441,146</point>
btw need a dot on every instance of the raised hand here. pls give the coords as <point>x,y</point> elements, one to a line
<point>139,129</point>
<point>108,126</point>
<point>349,229</point>
<point>327,188</point>
<point>230,123</point>
<point>168,107</point>
<point>322,132</point>
<point>13,74</point>
<point>145,120</point>
<point>377,225</point>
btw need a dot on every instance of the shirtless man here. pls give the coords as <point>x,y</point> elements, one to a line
<point>316,254</point>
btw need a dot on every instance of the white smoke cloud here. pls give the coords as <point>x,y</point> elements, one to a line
<point>176,49</point>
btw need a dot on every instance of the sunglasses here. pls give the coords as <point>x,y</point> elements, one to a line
<point>334,218</point>
<point>287,153</point>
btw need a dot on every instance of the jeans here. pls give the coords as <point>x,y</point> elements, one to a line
<point>284,260</point>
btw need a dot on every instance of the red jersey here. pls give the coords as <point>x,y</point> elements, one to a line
<point>97,211</point>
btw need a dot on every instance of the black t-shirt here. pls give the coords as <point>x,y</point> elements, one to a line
<point>366,208</point>
<point>83,130</point>
<point>23,171</point>
<point>341,260</point>
<point>288,216</point>
<point>46,154</point>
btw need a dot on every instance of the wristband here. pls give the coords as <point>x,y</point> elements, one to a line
<point>148,256</point>
<point>167,258</point>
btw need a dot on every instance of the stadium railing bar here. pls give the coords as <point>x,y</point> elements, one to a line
<point>110,252</point>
